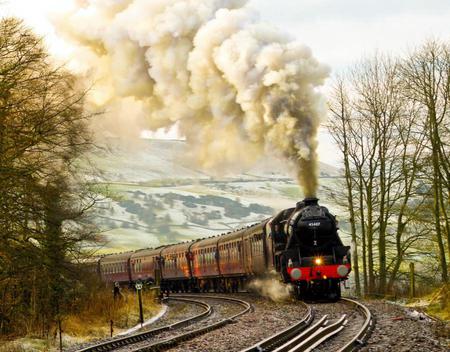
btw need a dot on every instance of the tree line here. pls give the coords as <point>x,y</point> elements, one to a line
<point>43,134</point>
<point>390,120</point>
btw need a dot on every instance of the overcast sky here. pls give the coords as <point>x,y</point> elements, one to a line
<point>339,31</point>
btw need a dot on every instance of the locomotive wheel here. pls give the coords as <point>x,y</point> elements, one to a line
<point>335,291</point>
<point>301,291</point>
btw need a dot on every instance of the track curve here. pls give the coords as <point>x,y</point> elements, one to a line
<point>113,344</point>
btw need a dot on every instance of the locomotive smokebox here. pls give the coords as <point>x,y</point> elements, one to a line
<point>311,201</point>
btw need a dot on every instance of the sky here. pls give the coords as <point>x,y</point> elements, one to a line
<point>340,32</point>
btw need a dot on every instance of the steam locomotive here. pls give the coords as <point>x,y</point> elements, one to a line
<point>301,244</point>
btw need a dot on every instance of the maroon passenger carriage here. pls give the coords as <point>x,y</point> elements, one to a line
<point>144,264</point>
<point>301,244</point>
<point>116,267</point>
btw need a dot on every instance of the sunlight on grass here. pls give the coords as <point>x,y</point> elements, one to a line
<point>439,303</point>
<point>93,322</point>
<point>124,312</point>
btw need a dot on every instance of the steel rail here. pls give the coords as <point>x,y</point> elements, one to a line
<point>173,341</point>
<point>363,334</point>
<point>131,339</point>
<point>241,302</point>
<point>281,337</point>
<point>321,335</point>
<point>294,337</point>
<point>314,336</point>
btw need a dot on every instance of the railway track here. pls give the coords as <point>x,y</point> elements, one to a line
<point>311,332</point>
<point>305,336</point>
<point>162,338</point>
<point>113,344</point>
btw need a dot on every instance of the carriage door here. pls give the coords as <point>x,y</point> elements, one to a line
<point>247,256</point>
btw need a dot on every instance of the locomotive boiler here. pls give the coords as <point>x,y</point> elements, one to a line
<point>301,244</point>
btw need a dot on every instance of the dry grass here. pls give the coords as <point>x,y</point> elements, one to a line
<point>91,322</point>
<point>94,320</point>
<point>439,305</point>
<point>26,345</point>
<point>12,347</point>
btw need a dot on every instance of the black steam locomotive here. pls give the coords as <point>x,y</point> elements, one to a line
<point>301,244</point>
<point>308,251</point>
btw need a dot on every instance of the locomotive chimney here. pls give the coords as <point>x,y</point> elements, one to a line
<point>311,201</point>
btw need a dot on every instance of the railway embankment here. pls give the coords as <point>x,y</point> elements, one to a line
<point>400,328</point>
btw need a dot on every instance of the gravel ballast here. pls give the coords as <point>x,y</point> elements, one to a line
<point>400,329</point>
<point>266,319</point>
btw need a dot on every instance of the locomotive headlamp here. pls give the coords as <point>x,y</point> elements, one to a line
<point>318,261</point>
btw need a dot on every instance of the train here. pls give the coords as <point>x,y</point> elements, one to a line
<point>300,244</point>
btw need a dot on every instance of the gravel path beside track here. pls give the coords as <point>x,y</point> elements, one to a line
<point>398,331</point>
<point>267,318</point>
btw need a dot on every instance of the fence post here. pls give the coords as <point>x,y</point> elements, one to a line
<point>60,335</point>
<point>139,291</point>
<point>412,279</point>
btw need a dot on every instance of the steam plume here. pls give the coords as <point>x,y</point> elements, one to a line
<point>271,287</point>
<point>235,87</point>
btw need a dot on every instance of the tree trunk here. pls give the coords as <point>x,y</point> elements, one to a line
<point>363,231</point>
<point>349,182</point>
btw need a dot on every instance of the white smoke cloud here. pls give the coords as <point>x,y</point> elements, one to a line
<point>235,87</point>
<point>271,287</point>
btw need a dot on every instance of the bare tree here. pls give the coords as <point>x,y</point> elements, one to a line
<point>426,80</point>
<point>380,133</point>
<point>340,108</point>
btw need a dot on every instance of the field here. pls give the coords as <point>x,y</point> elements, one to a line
<point>149,197</point>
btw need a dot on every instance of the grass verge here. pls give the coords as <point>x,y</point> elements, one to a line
<point>91,323</point>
